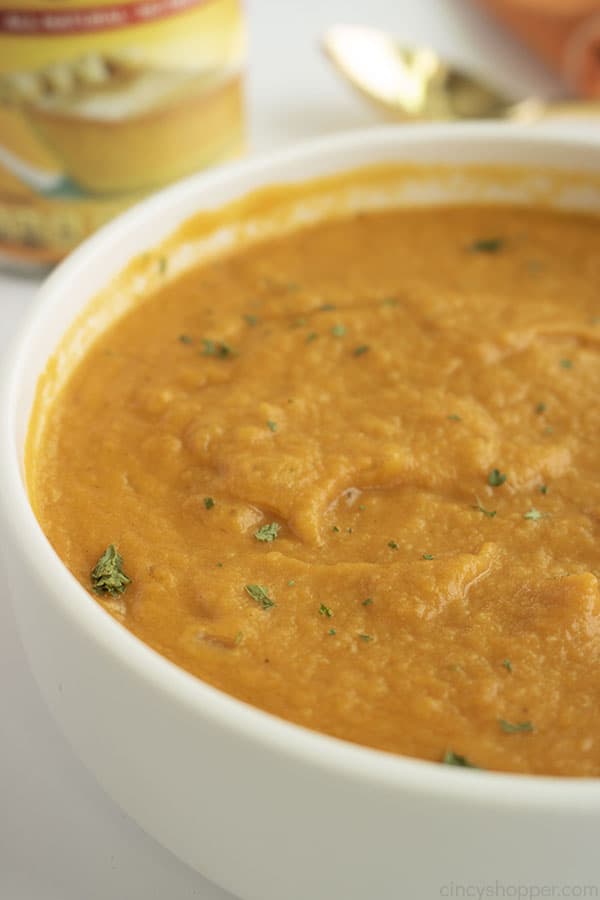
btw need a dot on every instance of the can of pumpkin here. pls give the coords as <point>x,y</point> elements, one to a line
<point>104,101</point>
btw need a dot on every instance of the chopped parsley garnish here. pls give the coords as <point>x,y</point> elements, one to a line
<point>185,339</point>
<point>454,418</point>
<point>496,478</point>
<point>362,507</point>
<point>507,665</point>
<point>332,631</point>
<point>365,637</point>
<point>326,307</point>
<point>336,529</point>
<point>311,337</point>
<point>268,532</point>
<point>393,545</point>
<point>209,502</point>
<point>250,319</point>
<point>215,348</point>
<point>338,330</point>
<point>362,348</point>
<point>515,728</point>
<point>260,594</point>
<point>450,758</point>
<point>107,575</point>
<point>490,513</point>
<point>543,488</point>
<point>428,556</point>
<point>533,514</point>
<point>272,426</point>
<point>368,601</point>
<point>541,408</point>
<point>291,582</point>
<point>566,363</point>
<point>325,611</point>
<point>239,637</point>
<point>487,245</point>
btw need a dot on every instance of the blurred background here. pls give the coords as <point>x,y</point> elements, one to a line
<point>61,838</point>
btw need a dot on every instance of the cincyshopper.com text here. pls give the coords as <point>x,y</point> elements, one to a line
<point>456,891</point>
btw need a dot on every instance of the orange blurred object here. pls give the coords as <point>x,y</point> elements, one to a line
<point>565,33</point>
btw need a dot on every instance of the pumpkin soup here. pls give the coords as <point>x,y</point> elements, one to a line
<point>350,475</point>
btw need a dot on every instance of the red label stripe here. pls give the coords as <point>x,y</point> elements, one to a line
<point>91,18</point>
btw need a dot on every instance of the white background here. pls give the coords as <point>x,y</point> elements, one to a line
<point>61,837</point>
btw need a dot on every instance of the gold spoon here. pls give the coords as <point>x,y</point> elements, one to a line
<point>415,83</point>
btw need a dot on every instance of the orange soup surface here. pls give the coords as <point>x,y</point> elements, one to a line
<point>353,475</point>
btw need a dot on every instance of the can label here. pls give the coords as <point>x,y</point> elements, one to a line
<point>103,102</point>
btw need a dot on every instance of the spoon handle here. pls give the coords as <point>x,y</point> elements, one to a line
<point>533,109</point>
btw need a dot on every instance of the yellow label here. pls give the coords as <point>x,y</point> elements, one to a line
<point>101,102</point>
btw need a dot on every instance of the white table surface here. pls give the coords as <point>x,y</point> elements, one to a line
<point>61,837</point>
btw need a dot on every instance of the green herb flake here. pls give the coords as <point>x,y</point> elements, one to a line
<point>338,330</point>
<point>361,350</point>
<point>362,507</point>
<point>391,301</point>
<point>325,611</point>
<point>267,533</point>
<point>534,266</point>
<point>428,556</point>
<point>496,478</point>
<point>260,594</point>
<point>487,245</point>
<point>566,363</point>
<point>239,637</point>
<point>215,348</point>
<point>208,502</point>
<point>516,727</point>
<point>185,339</point>
<point>312,336</point>
<point>490,513</point>
<point>332,631</point>
<point>454,418</point>
<point>366,638</point>
<point>219,565</point>
<point>368,602</point>
<point>272,426</point>
<point>291,582</point>
<point>107,575</point>
<point>326,307</point>
<point>540,408</point>
<point>450,758</point>
<point>335,529</point>
<point>533,514</point>
<point>543,488</point>
<point>251,320</point>
<point>507,665</point>
<point>393,545</point>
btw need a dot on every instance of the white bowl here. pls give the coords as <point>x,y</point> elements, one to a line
<point>267,809</point>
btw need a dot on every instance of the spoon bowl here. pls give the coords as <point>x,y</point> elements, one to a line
<point>416,83</point>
